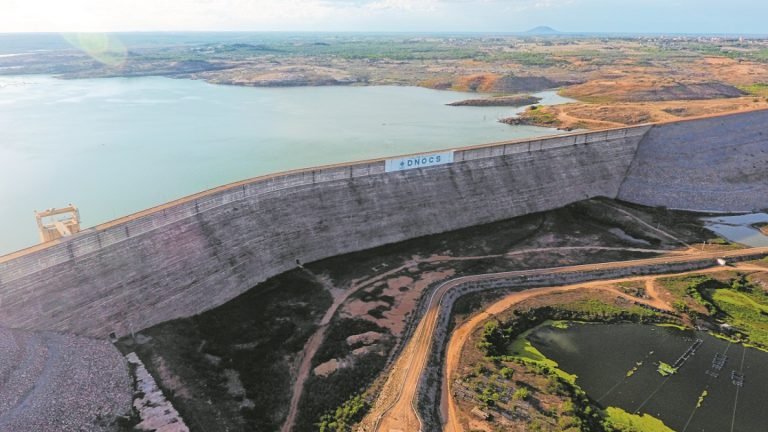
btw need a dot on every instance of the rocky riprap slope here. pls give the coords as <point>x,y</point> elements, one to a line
<point>155,412</point>
<point>58,383</point>
<point>713,164</point>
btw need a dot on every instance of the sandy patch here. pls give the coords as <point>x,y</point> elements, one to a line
<point>359,309</point>
<point>359,352</point>
<point>327,368</point>
<point>406,300</point>
<point>475,425</point>
<point>366,338</point>
<point>405,292</point>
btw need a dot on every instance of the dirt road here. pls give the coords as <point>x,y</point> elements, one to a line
<point>394,409</point>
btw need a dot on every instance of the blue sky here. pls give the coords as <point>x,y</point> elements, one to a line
<point>641,16</point>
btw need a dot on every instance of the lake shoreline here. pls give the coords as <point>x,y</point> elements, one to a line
<point>187,135</point>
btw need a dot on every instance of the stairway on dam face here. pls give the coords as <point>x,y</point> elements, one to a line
<point>57,382</point>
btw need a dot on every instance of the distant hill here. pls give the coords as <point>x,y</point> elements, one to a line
<point>542,30</point>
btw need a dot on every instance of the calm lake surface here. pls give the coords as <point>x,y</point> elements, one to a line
<point>739,228</point>
<point>602,354</point>
<point>119,145</point>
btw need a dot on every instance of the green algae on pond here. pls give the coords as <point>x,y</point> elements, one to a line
<point>718,384</point>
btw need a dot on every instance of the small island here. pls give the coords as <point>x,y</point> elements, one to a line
<point>537,116</point>
<point>511,101</point>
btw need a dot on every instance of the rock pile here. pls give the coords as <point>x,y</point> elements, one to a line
<point>156,412</point>
<point>56,382</point>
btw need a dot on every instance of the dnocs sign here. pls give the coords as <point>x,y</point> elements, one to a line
<point>420,161</point>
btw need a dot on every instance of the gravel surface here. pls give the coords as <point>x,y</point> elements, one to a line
<point>56,382</point>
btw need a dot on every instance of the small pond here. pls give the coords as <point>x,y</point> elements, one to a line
<point>601,355</point>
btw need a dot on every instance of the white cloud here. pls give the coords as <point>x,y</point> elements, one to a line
<point>404,5</point>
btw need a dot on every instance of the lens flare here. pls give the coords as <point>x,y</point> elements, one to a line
<point>102,47</point>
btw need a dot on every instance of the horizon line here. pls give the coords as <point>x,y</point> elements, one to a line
<point>556,33</point>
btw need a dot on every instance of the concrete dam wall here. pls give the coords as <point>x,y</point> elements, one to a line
<point>198,252</point>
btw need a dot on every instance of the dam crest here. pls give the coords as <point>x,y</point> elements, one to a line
<point>193,254</point>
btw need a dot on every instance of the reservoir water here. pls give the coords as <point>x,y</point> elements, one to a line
<point>602,354</point>
<point>739,228</point>
<point>114,146</point>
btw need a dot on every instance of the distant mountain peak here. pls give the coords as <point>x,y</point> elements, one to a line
<point>543,30</point>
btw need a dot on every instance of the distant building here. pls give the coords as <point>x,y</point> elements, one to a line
<point>57,223</point>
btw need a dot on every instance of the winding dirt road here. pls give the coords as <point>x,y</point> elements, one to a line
<point>394,410</point>
<point>317,338</point>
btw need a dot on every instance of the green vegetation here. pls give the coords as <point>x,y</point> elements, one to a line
<point>719,241</point>
<point>746,311</point>
<point>634,369</point>
<point>509,342</point>
<point>735,301</point>
<point>521,393</point>
<point>757,89</point>
<point>256,335</point>
<point>618,420</point>
<point>378,48</point>
<point>758,55</point>
<point>524,58</point>
<point>595,310</point>
<point>687,294</point>
<point>349,413</point>
<point>666,369</point>
<point>506,372</point>
<point>671,325</point>
<point>540,116</point>
<point>522,349</point>
<point>573,412</point>
<point>701,398</point>
<point>506,342</point>
<point>335,400</point>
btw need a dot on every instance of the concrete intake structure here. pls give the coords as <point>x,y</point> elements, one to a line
<point>196,253</point>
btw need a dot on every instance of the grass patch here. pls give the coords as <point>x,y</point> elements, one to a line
<point>757,89</point>
<point>522,349</point>
<point>634,369</point>
<point>701,398</point>
<point>666,369</point>
<point>618,420</point>
<point>592,309</point>
<point>671,325</point>
<point>540,116</point>
<point>687,292</point>
<point>562,325</point>
<point>747,311</point>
